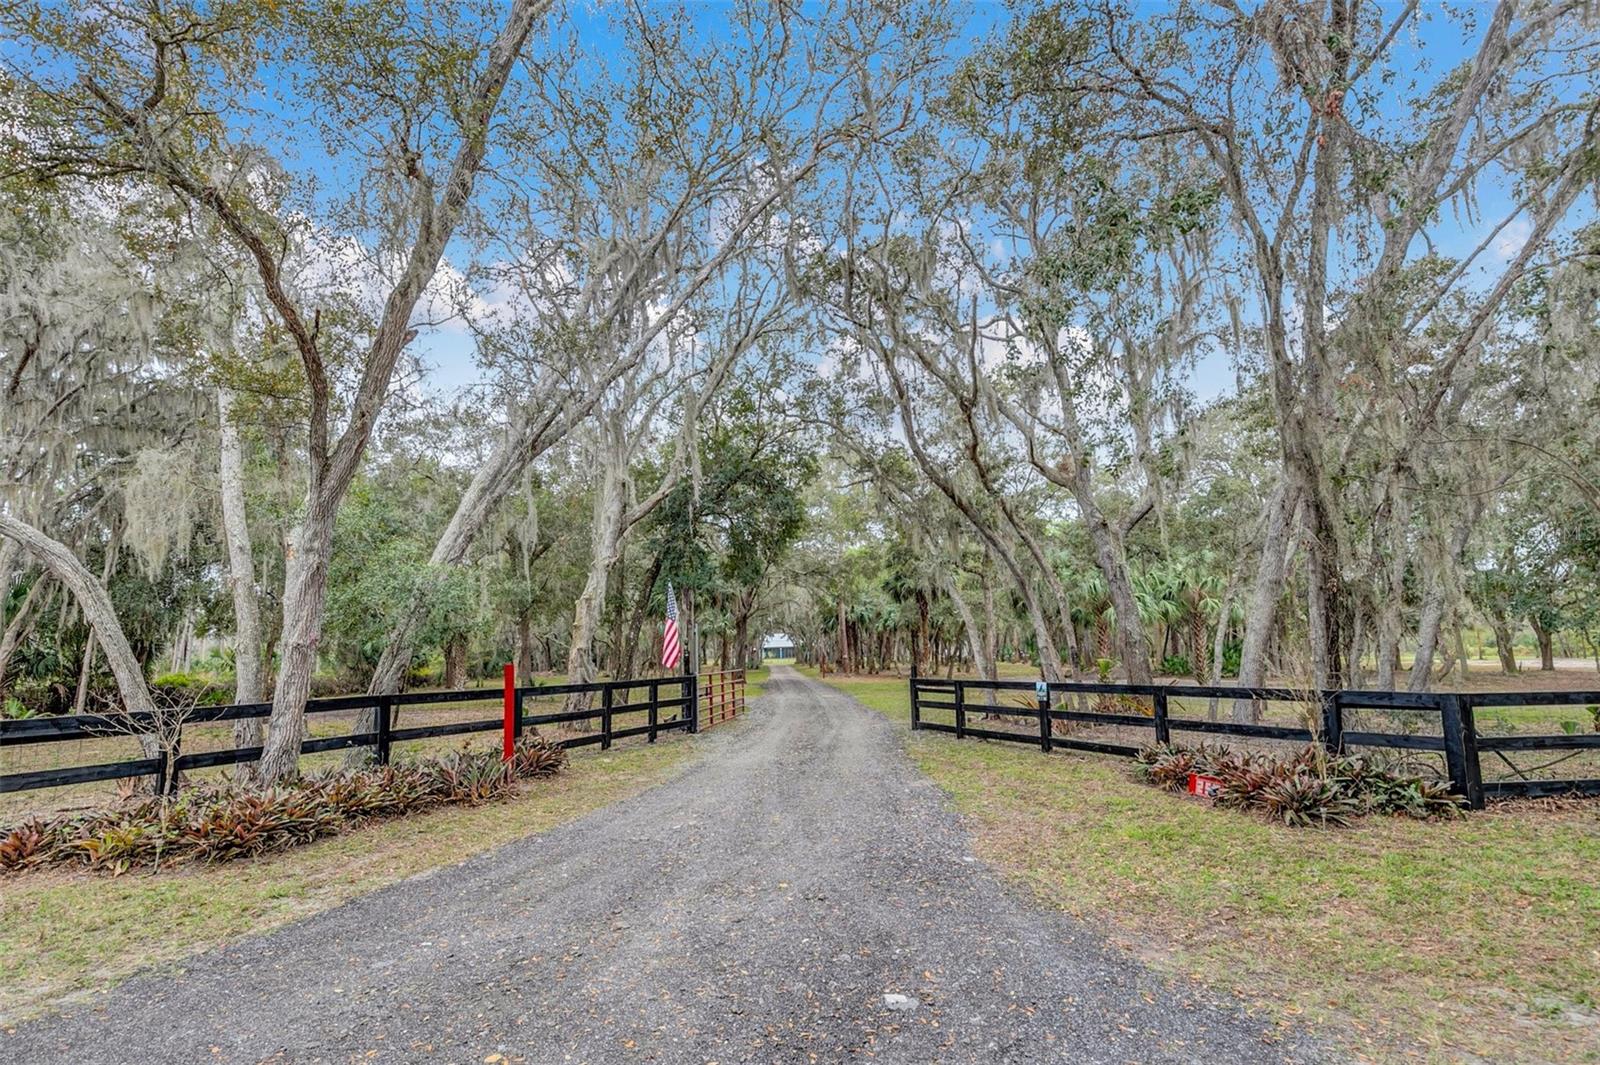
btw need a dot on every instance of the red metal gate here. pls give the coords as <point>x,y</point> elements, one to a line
<point>721,696</point>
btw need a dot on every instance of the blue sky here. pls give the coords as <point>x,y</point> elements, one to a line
<point>1439,39</point>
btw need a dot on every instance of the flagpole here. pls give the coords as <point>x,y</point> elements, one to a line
<point>692,657</point>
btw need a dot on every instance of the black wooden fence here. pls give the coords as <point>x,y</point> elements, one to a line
<point>605,701</point>
<point>1455,736</point>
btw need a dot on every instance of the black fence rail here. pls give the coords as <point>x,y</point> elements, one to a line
<point>1440,723</point>
<point>665,702</point>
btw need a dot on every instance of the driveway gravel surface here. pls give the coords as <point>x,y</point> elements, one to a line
<point>801,893</point>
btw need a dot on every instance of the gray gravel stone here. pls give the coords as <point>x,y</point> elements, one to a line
<point>762,907</point>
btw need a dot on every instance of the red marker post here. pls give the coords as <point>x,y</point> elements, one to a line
<point>509,742</point>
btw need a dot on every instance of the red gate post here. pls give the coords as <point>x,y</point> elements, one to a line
<point>508,744</point>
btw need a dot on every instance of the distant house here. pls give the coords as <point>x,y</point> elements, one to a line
<point>778,645</point>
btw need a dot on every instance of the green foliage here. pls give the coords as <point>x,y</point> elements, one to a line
<point>1175,665</point>
<point>184,689</point>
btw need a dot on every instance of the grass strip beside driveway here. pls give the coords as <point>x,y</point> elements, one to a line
<point>1480,936</point>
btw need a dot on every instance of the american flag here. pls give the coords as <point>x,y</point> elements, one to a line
<point>671,646</point>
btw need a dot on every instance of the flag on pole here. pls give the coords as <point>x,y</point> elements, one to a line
<point>671,645</point>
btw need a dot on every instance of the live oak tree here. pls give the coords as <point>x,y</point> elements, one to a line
<point>145,94</point>
<point>1334,193</point>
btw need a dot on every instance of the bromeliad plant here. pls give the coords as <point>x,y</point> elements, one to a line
<point>215,823</point>
<point>1308,788</point>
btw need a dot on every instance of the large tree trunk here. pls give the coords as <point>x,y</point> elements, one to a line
<point>305,593</point>
<point>1261,617</point>
<point>991,630</point>
<point>455,661</point>
<point>10,551</point>
<point>331,470</point>
<point>988,665</point>
<point>247,672</point>
<point>1132,645</point>
<point>1546,641</point>
<point>1503,645</point>
<point>1435,600</point>
<point>523,652</point>
<point>93,599</point>
<point>1325,599</point>
<point>741,639</point>
<point>604,539</point>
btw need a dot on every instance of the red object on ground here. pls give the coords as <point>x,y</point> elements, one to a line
<point>1203,786</point>
<point>509,741</point>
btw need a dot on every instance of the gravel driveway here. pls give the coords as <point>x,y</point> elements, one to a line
<point>757,908</point>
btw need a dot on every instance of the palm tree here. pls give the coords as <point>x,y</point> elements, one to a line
<point>1190,594</point>
<point>1092,608</point>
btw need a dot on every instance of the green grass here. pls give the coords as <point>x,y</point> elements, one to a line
<point>1479,936</point>
<point>67,935</point>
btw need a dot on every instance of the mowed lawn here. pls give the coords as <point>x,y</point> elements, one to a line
<point>1475,940</point>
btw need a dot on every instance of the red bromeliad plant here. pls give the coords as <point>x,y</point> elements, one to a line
<point>212,822</point>
<point>1308,788</point>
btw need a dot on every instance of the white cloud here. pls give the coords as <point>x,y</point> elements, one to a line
<point>1512,238</point>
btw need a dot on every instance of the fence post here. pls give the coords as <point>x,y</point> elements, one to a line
<point>1043,691</point>
<point>961,709</point>
<point>385,713</point>
<point>1333,722</point>
<point>655,710</point>
<point>605,718</point>
<point>916,705</point>
<point>1163,728</point>
<point>508,727</point>
<point>691,690</point>
<point>1469,744</point>
<point>1461,749</point>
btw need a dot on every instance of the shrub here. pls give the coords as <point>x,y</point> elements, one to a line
<point>539,759</point>
<point>1309,787</point>
<point>23,845</point>
<point>1300,798</point>
<point>221,822</point>
<point>470,776</point>
<point>1175,665</point>
<point>180,689</point>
